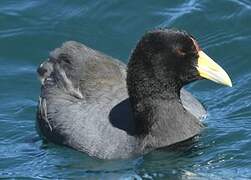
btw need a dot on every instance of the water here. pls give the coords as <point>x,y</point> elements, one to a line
<point>31,28</point>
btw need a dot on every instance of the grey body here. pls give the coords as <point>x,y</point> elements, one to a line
<point>84,105</point>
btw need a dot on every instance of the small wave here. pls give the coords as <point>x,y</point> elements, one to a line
<point>246,4</point>
<point>173,14</point>
<point>13,70</point>
<point>220,38</point>
<point>17,106</point>
<point>11,7</point>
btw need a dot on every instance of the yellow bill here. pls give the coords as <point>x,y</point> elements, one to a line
<point>211,70</point>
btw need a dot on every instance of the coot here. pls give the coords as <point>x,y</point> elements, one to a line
<point>96,104</point>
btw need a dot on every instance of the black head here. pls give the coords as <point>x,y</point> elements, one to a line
<point>162,62</point>
<point>164,58</point>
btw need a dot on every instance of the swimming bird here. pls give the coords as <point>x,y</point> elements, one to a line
<point>96,104</point>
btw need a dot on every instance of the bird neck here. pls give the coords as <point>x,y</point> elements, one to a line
<point>167,123</point>
<point>148,88</point>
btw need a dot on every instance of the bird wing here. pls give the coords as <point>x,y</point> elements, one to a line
<point>192,105</point>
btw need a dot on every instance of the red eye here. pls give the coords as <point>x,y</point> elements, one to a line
<point>180,52</point>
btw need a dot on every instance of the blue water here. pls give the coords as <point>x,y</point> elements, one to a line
<point>30,29</point>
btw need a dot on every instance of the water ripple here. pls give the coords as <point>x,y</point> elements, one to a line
<point>181,10</point>
<point>31,28</point>
<point>244,3</point>
<point>7,70</point>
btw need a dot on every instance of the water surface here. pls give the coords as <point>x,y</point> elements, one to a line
<point>30,29</point>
